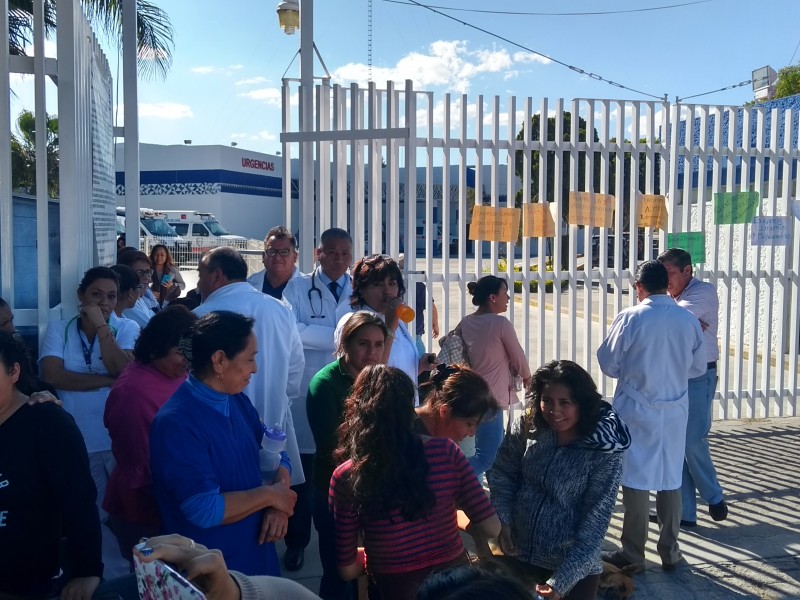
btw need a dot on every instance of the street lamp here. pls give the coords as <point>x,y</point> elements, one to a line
<point>289,19</point>
<point>289,16</point>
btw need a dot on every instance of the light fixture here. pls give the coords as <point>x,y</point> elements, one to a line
<point>289,16</point>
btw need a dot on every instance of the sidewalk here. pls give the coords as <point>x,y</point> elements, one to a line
<point>755,553</point>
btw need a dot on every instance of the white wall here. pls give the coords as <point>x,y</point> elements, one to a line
<point>247,214</point>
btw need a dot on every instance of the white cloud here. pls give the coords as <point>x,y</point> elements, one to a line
<point>449,64</point>
<point>160,110</point>
<point>261,136</point>
<point>530,57</point>
<point>510,74</point>
<point>209,69</point>
<point>252,81</point>
<point>271,96</point>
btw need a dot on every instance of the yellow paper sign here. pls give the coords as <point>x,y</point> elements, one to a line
<point>591,210</point>
<point>491,224</point>
<point>653,212</point>
<point>537,221</point>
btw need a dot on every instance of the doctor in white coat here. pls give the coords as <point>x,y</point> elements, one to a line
<point>223,286</point>
<point>280,262</point>
<point>318,301</point>
<point>653,349</point>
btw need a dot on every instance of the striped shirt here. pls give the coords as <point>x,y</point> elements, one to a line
<point>394,545</point>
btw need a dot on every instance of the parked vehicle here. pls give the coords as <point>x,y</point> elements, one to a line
<point>154,229</point>
<point>202,230</point>
<point>640,254</point>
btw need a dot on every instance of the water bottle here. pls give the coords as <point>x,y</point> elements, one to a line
<point>269,456</point>
<point>405,313</point>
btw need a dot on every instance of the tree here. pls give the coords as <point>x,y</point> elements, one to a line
<point>23,154</point>
<point>788,83</point>
<point>153,28</point>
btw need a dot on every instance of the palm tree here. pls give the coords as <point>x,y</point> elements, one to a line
<point>153,27</point>
<point>23,154</point>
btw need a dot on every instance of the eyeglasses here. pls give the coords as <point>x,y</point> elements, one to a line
<point>283,252</point>
<point>144,272</point>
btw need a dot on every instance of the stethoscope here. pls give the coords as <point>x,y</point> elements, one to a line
<point>311,290</point>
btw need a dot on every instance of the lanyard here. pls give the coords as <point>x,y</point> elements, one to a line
<point>87,350</point>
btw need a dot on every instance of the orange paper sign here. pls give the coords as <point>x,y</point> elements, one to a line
<point>537,221</point>
<point>492,224</point>
<point>653,212</point>
<point>591,210</point>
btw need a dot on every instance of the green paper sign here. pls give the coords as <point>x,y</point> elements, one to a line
<point>735,207</point>
<point>694,242</point>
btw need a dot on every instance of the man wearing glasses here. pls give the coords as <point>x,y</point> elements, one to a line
<point>280,260</point>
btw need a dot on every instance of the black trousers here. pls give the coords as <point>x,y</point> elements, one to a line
<point>299,533</point>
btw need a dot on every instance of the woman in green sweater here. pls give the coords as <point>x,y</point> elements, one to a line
<point>361,344</point>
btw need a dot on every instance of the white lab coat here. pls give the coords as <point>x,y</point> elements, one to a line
<point>317,315</point>
<point>653,349</point>
<point>280,358</point>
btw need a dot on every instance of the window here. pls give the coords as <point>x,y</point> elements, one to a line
<point>181,228</point>
<point>199,229</point>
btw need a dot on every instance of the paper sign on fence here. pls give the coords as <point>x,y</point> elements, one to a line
<point>735,207</point>
<point>694,242</point>
<point>591,210</point>
<point>771,231</point>
<point>492,224</point>
<point>537,221</point>
<point>653,211</point>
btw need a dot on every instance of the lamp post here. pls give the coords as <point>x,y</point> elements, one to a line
<point>294,14</point>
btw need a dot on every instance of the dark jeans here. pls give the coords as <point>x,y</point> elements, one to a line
<point>331,586</point>
<point>299,532</point>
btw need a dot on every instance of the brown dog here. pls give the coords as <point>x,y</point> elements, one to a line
<point>615,583</point>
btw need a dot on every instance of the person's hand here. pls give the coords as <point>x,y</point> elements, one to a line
<point>427,362</point>
<point>80,588</point>
<point>390,314</point>
<point>173,291</point>
<point>43,397</point>
<point>204,568</point>
<point>283,498</point>
<point>274,526</point>
<point>546,591</point>
<point>93,315</point>
<point>435,330</point>
<point>505,541</point>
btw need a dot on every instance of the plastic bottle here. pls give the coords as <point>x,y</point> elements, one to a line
<point>405,313</point>
<point>269,456</point>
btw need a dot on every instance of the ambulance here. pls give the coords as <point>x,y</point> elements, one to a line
<point>202,230</point>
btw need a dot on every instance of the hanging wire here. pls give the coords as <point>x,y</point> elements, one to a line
<point>730,87</point>
<point>527,49</point>
<point>791,60</point>
<point>556,14</point>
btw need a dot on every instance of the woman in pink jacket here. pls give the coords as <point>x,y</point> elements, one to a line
<point>495,354</point>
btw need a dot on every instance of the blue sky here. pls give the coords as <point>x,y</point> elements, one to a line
<point>225,82</point>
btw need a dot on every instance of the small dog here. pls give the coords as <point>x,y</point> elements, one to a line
<point>615,583</point>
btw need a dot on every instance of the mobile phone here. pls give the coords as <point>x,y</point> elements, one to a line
<point>167,278</point>
<point>159,581</point>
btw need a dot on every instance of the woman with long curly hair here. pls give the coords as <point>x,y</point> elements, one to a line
<point>400,490</point>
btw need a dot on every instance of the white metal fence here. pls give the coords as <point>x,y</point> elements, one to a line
<point>384,142</point>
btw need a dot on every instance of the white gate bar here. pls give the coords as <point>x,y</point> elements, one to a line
<point>42,188</point>
<point>6,212</point>
<point>286,94</point>
<point>323,162</point>
<point>559,200</point>
<point>410,205</point>
<point>464,215</point>
<point>772,402</point>
<point>357,173</point>
<point>573,229</point>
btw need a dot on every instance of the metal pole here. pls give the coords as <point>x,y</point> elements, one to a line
<point>6,214</point>
<point>307,204</point>
<point>131,129</point>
